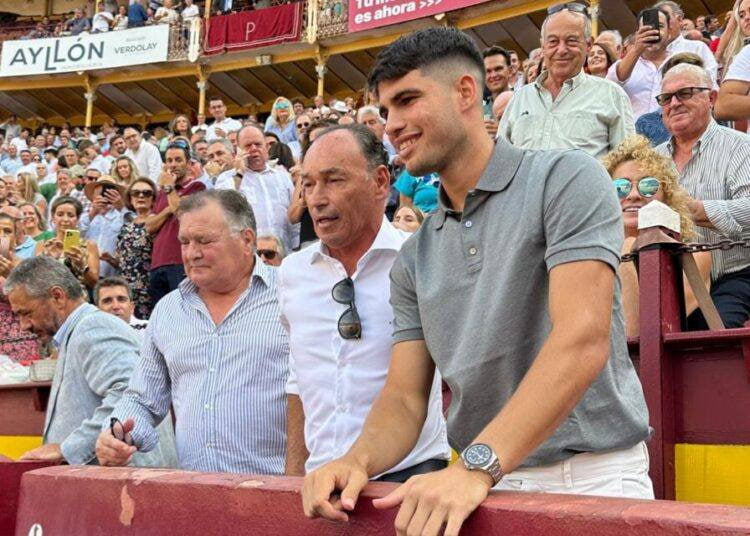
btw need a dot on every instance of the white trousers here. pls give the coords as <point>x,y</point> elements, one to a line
<point>618,473</point>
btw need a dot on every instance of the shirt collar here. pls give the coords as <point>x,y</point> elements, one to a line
<point>573,82</point>
<point>704,139</point>
<point>677,40</point>
<point>67,326</point>
<point>387,239</point>
<point>27,243</point>
<point>500,171</point>
<point>260,271</point>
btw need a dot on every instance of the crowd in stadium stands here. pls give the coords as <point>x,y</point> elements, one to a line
<point>297,288</point>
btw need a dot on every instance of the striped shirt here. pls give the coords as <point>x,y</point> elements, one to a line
<point>226,382</point>
<point>718,174</point>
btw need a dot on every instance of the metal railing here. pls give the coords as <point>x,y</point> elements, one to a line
<point>185,40</point>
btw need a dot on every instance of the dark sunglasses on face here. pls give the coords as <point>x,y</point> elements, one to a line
<point>268,254</point>
<point>576,7</point>
<point>90,178</point>
<point>303,125</point>
<point>647,187</point>
<point>141,193</point>
<point>349,325</point>
<point>682,95</point>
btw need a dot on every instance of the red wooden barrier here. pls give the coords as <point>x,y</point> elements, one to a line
<point>113,501</point>
<point>696,384</point>
<point>10,483</point>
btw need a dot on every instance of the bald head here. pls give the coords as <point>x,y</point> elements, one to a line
<point>500,103</point>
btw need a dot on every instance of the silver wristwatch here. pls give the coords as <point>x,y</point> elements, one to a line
<point>481,457</point>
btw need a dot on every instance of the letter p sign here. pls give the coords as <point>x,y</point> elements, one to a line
<point>249,29</point>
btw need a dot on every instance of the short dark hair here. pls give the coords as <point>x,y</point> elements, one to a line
<point>184,147</point>
<point>422,49</point>
<point>108,282</point>
<point>317,124</point>
<point>496,50</point>
<point>371,147</point>
<point>67,200</point>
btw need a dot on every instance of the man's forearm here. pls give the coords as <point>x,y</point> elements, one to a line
<point>560,375</point>
<point>155,221</point>
<point>296,451</point>
<point>391,430</point>
<point>624,69</point>
<point>732,106</point>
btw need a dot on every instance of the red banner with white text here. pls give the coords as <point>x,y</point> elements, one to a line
<point>256,28</point>
<point>367,14</point>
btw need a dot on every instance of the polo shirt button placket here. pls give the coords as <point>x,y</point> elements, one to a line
<point>472,250</point>
<point>468,224</point>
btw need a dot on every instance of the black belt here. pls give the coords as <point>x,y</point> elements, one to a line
<point>427,466</point>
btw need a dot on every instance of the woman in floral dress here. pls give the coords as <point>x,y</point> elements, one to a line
<point>134,244</point>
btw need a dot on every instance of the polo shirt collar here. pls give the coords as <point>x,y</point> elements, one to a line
<point>498,174</point>
<point>387,239</point>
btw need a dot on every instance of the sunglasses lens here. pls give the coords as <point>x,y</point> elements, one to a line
<point>267,254</point>
<point>648,187</point>
<point>623,187</point>
<point>343,291</point>
<point>350,326</point>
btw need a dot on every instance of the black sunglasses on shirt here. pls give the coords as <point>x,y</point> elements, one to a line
<point>349,325</point>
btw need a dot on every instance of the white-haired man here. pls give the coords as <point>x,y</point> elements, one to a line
<point>712,162</point>
<point>612,38</point>
<point>369,116</point>
<point>565,107</point>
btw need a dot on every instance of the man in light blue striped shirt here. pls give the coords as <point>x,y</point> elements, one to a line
<point>712,163</point>
<point>214,349</point>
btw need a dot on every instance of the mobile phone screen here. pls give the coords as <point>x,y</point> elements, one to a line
<point>72,239</point>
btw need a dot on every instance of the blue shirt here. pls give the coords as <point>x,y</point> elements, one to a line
<point>652,126</point>
<point>136,14</point>
<point>422,190</point>
<point>25,250</point>
<point>286,134</point>
<point>11,165</point>
<point>226,382</point>
<point>103,230</point>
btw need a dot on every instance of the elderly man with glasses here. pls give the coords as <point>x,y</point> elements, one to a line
<point>712,162</point>
<point>345,276</point>
<point>565,108</point>
<point>145,155</point>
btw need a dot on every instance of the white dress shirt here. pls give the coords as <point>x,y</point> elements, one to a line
<point>642,87</point>
<point>227,125</point>
<point>147,160</point>
<point>269,192</point>
<point>338,380</point>
<point>680,44</point>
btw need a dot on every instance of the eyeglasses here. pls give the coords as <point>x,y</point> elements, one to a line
<point>350,326</point>
<point>141,193</point>
<point>90,177</point>
<point>682,95</point>
<point>575,7</point>
<point>268,254</point>
<point>118,433</point>
<point>130,136</point>
<point>303,125</point>
<point>647,187</point>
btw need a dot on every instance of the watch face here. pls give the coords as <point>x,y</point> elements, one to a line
<point>478,455</point>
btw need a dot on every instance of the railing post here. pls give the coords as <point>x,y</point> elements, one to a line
<point>594,12</point>
<point>320,69</point>
<point>202,74</point>
<point>660,306</point>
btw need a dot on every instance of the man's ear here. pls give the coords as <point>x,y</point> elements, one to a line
<point>469,92</point>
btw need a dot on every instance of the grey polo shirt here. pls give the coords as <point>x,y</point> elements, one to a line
<point>474,286</point>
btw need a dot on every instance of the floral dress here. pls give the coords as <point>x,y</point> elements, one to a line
<point>134,245</point>
<point>17,344</point>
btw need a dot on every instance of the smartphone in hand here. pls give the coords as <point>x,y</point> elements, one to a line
<point>71,240</point>
<point>650,17</point>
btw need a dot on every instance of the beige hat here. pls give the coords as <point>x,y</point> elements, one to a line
<point>93,189</point>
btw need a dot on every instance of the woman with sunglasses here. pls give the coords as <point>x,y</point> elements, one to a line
<point>282,120</point>
<point>134,244</point>
<point>641,175</point>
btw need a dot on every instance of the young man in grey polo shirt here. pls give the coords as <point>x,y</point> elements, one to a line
<point>510,290</point>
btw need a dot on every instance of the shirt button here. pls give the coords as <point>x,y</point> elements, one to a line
<point>207,406</point>
<point>468,224</point>
<point>212,370</point>
<point>472,251</point>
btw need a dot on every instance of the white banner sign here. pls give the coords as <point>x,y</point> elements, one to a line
<point>85,52</point>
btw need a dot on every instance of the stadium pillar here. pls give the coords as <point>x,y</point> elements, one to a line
<point>594,12</point>
<point>202,74</point>
<point>320,69</point>
<point>90,96</point>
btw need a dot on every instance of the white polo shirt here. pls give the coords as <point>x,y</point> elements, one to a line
<point>337,380</point>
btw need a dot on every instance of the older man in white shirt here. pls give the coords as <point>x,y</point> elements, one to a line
<point>268,189</point>
<point>334,300</point>
<point>567,108</point>
<point>145,155</point>
<point>677,42</point>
